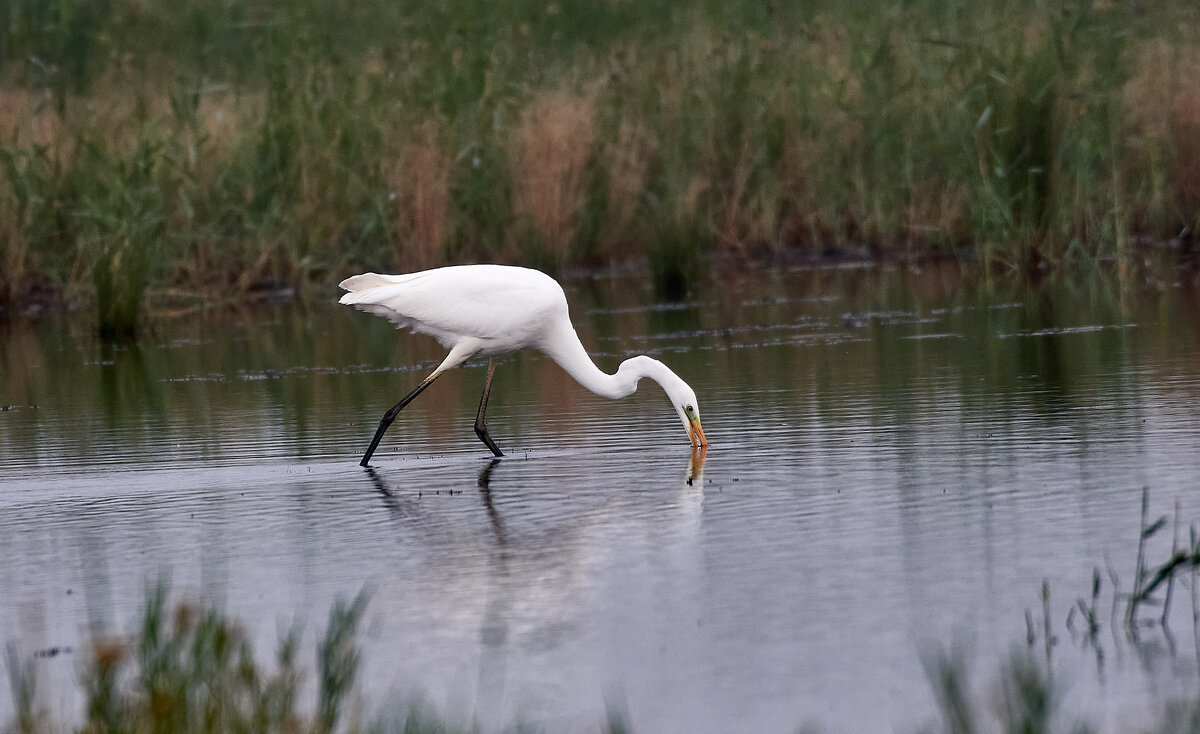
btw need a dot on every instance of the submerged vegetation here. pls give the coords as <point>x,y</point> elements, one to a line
<point>201,147</point>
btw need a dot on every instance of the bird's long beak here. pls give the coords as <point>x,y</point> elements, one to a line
<point>696,433</point>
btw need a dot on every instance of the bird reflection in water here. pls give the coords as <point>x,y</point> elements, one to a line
<point>485,491</point>
<point>406,508</point>
<point>485,476</point>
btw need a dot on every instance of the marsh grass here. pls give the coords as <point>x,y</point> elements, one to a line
<point>1153,585</point>
<point>192,669</point>
<point>421,185</point>
<point>551,146</point>
<point>626,165</point>
<point>1181,561</point>
<point>1024,696</point>
<point>1025,700</point>
<point>123,223</point>
<point>299,141</point>
<point>14,248</point>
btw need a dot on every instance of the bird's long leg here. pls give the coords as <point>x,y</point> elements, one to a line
<point>480,425</point>
<point>390,416</point>
<point>462,350</point>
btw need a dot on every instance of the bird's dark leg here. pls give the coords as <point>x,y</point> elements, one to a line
<point>390,416</point>
<point>480,424</point>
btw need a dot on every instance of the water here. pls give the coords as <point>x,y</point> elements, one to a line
<point>899,460</point>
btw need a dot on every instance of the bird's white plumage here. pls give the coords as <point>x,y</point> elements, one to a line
<point>489,310</point>
<point>502,308</point>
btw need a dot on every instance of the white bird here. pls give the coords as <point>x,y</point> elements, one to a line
<point>490,310</point>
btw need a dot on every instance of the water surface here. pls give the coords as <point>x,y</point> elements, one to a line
<point>899,460</point>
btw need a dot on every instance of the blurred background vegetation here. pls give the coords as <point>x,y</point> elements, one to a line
<point>202,148</point>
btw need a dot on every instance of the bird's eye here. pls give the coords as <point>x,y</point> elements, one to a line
<point>689,409</point>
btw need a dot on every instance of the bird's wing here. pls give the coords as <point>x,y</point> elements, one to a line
<point>503,307</point>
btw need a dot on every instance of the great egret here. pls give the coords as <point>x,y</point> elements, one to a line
<point>489,310</point>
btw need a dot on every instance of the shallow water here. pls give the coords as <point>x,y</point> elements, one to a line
<point>899,459</point>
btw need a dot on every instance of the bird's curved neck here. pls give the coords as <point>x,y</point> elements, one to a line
<point>568,352</point>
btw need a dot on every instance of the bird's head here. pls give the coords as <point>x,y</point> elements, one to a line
<point>683,399</point>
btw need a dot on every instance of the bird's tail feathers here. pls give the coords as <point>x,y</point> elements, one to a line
<point>366,281</point>
<point>364,288</point>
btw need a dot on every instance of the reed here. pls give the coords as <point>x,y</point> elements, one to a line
<point>122,226</point>
<point>192,669</point>
<point>549,152</point>
<point>627,156</point>
<point>1027,699</point>
<point>14,247</point>
<point>300,139</point>
<point>1147,581</point>
<point>421,186</point>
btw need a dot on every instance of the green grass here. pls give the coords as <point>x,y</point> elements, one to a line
<point>220,147</point>
<point>193,670</point>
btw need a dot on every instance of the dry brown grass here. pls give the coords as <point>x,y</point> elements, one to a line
<point>747,216</point>
<point>115,111</point>
<point>805,222</point>
<point>1153,83</point>
<point>548,158</point>
<point>1163,99</point>
<point>225,118</point>
<point>935,208</point>
<point>1186,132</point>
<point>14,248</point>
<point>627,161</point>
<point>28,118</point>
<point>29,121</point>
<point>421,184</point>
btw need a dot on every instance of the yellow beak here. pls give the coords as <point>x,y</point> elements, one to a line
<point>696,433</point>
